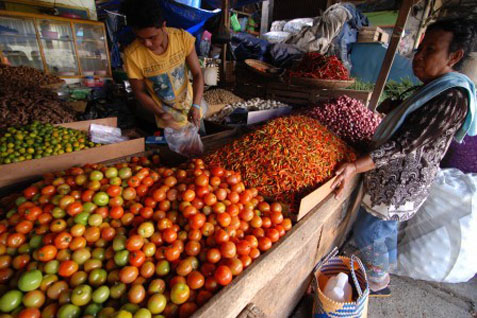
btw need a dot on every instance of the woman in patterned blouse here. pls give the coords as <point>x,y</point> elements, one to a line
<point>398,173</point>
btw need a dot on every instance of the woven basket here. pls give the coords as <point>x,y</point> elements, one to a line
<point>263,68</point>
<point>320,83</point>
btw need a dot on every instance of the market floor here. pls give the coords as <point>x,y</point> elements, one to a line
<point>413,299</point>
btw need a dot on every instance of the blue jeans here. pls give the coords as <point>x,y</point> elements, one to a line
<point>377,243</point>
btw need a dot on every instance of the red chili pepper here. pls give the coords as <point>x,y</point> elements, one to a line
<point>315,65</point>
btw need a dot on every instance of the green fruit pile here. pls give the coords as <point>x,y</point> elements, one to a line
<point>39,140</point>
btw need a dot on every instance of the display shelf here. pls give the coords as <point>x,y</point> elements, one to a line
<point>55,44</point>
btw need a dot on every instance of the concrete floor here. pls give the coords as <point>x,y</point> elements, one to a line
<point>416,299</point>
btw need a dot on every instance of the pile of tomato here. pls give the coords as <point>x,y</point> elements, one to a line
<point>134,240</point>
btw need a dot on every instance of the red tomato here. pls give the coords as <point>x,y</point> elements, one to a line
<point>223,275</point>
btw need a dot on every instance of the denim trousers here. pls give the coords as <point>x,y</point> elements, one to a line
<point>376,240</point>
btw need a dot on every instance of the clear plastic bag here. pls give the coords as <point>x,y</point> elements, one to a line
<point>185,141</point>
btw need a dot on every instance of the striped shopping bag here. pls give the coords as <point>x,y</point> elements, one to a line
<point>324,307</point>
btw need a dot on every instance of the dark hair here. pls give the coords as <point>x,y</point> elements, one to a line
<point>141,14</point>
<point>464,35</point>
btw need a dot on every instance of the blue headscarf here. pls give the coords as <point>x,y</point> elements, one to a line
<point>394,120</point>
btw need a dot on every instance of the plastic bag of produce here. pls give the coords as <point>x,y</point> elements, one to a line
<point>295,26</point>
<point>276,36</point>
<point>185,141</point>
<point>438,244</point>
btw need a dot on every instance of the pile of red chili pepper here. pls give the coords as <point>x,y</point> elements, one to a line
<point>286,158</point>
<point>316,65</point>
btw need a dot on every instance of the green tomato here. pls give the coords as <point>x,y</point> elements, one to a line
<point>123,314</point>
<point>143,313</point>
<point>99,253</point>
<point>101,199</point>
<point>101,294</point>
<point>115,181</point>
<point>35,241</point>
<point>82,218</point>
<point>163,268</point>
<point>111,172</point>
<point>156,303</point>
<point>132,308</point>
<point>92,309</point>
<point>96,175</point>
<point>10,300</point>
<point>121,258</point>
<point>95,220</point>
<point>117,290</point>
<point>30,280</point>
<point>69,311</point>
<point>106,312</point>
<point>81,295</point>
<point>80,256</point>
<point>180,293</point>
<point>89,207</point>
<point>125,173</point>
<point>119,243</point>
<point>97,277</point>
<point>20,200</point>
<point>58,213</point>
<point>52,267</point>
<point>24,249</point>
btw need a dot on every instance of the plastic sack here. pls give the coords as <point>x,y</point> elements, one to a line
<point>277,26</point>
<point>282,55</point>
<point>246,46</point>
<point>438,244</point>
<point>276,36</point>
<point>295,26</point>
<point>185,141</point>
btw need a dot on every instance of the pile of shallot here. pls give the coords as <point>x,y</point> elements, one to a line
<point>349,119</point>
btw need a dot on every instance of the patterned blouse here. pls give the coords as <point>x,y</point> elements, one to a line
<point>407,164</point>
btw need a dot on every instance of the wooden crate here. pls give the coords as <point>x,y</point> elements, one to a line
<point>372,35</point>
<point>26,171</point>
<point>276,282</point>
<point>298,95</point>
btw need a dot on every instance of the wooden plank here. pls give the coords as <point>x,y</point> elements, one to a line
<point>265,19</point>
<point>84,125</point>
<point>406,7</point>
<point>293,254</point>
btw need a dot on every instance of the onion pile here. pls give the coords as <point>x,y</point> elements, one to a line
<point>349,119</point>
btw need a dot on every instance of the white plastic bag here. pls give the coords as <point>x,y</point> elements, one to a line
<point>438,244</point>
<point>276,36</point>
<point>295,26</point>
<point>185,141</point>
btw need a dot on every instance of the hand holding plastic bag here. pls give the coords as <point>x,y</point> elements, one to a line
<point>185,141</point>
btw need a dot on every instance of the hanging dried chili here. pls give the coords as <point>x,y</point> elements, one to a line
<point>286,158</point>
<point>316,65</point>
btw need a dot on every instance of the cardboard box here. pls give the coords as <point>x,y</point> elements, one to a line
<point>244,117</point>
<point>14,173</point>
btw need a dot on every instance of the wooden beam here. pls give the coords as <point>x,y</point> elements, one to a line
<point>391,52</point>
<point>265,20</point>
<point>226,24</point>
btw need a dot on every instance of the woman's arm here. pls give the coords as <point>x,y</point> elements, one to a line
<point>197,84</point>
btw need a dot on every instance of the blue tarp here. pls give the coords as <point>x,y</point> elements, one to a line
<point>367,59</point>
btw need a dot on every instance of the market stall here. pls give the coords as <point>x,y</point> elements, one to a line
<point>98,217</point>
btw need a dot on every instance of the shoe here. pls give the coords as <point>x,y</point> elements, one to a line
<point>383,293</point>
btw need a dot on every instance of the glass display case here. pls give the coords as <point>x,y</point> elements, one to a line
<point>61,46</point>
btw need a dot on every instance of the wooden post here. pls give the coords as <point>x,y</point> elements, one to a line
<point>391,52</point>
<point>226,21</point>
<point>265,20</point>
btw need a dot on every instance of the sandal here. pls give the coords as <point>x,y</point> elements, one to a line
<point>383,293</point>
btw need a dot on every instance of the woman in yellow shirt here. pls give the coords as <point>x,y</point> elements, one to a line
<point>158,64</point>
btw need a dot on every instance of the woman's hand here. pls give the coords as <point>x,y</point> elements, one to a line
<point>194,116</point>
<point>343,175</point>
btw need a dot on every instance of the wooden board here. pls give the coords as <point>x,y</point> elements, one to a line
<point>84,125</point>
<point>276,281</point>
